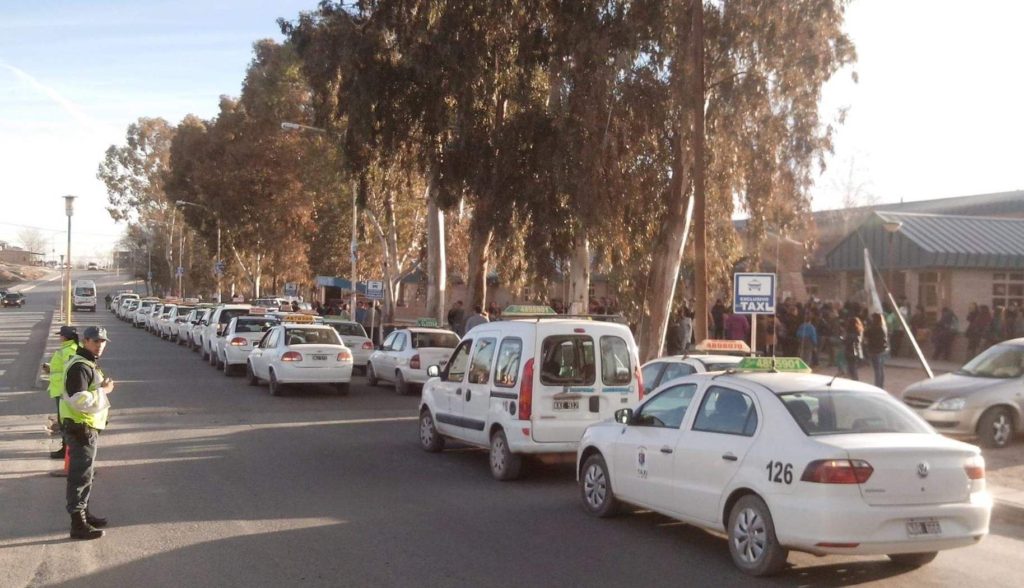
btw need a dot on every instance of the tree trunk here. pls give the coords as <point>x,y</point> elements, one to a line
<point>479,253</point>
<point>700,198</point>
<point>579,277</point>
<point>437,278</point>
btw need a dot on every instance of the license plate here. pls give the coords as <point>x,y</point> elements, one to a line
<point>919,527</point>
<point>567,404</point>
<point>320,357</point>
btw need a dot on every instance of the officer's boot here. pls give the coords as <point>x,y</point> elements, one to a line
<point>94,521</point>
<point>81,529</point>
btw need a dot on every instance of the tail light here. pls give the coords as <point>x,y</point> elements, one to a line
<point>345,355</point>
<point>239,342</point>
<point>838,471</point>
<point>975,468</point>
<point>368,345</point>
<point>291,356</point>
<point>414,363</point>
<point>639,380</point>
<point>526,392</point>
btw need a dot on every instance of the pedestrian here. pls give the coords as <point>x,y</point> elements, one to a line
<point>945,332</point>
<point>477,318</point>
<point>853,349</point>
<point>718,318</point>
<point>737,327</point>
<point>83,412</point>
<point>63,354</point>
<point>686,328</point>
<point>807,335</point>
<point>456,316</point>
<point>107,299</point>
<point>876,343</point>
<point>673,336</point>
<point>977,329</point>
<point>295,306</point>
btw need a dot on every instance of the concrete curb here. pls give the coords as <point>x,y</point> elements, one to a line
<point>1008,503</point>
<point>52,344</point>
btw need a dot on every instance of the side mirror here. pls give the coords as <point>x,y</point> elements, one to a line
<point>433,371</point>
<point>624,415</point>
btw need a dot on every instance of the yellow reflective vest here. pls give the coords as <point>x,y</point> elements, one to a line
<point>96,420</point>
<point>60,359</point>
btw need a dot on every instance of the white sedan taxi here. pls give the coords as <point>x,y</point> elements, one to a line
<point>354,336</point>
<point>708,356</point>
<point>241,336</point>
<point>300,353</point>
<point>784,461</point>
<point>406,354</point>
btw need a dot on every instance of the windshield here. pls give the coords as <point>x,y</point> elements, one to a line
<point>302,336</point>
<point>85,291</point>
<point>421,340</point>
<point>999,361</point>
<point>349,329</point>
<point>253,325</point>
<point>838,412</point>
<point>229,313</point>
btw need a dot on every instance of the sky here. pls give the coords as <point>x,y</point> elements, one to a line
<point>935,112</point>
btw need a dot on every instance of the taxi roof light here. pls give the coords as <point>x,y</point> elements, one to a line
<point>727,345</point>
<point>774,364</point>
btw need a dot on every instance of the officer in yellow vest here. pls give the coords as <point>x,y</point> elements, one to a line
<point>83,413</point>
<point>68,347</point>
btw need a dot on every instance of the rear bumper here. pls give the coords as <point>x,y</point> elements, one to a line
<point>287,374</point>
<point>520,440</point>
<point>414,376</point>
<point>236,355</point>
<point>958,423</point>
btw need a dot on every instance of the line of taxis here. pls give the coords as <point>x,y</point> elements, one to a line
<point>279,348</point>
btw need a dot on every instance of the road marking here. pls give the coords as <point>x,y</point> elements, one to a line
<point>339,422</point>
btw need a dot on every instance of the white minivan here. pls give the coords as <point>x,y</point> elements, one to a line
<point>84,294</point>
<point>529,386</point>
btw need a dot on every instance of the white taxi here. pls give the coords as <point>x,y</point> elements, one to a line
<point>404,356</point>
<point>354,336</point>
<point>789,461</point>
<point>658,371</point>
<point>300,353</point>
<point>241,336</point>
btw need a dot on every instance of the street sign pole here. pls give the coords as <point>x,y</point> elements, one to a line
<point>753,294</point>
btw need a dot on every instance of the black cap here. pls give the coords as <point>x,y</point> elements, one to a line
<point>68,332</point>
<point>96,334</point>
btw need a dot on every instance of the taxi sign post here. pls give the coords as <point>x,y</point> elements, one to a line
<point>753,294</point>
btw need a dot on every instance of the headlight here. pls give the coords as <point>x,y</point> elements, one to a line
<point>951,404</point>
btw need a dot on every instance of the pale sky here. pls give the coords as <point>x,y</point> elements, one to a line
<point>935,113</point>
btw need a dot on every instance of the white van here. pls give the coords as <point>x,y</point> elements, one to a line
<point>529,386</point>
<point>84,295</point>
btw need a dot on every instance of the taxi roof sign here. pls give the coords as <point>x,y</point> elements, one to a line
<point>297,318</point>
<point>774,364</point>
<point>530,309</point>
<point>426,322</point>
<point>735,346</point>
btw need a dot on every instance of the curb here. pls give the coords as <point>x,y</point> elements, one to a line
<point>1007,504</point>
<point>42,379</point>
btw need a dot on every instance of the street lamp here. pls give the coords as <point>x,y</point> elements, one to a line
<point>69,209</point>
<point>354,245</point>
<point>217,264</point>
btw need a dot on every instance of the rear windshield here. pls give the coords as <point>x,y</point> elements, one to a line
<point>349,329</point>
<point>421,340</point>
<point>229,313</point>
<point>254,325</point>
<point>302,336</point>
<point>85,291</point>
<point>999,361</point>
<point>838,412</point>
<point>568,359</point>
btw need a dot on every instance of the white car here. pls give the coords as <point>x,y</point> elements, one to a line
<point>241,336</point>
<point>529,387</point>
<point>152,317</point>
<point>661,370</point>
<point>175,320</point>
<point>127,309</point>
<point>789,461</point>
<point>300,354</point>
<point>354,336</point>
<point>162,322</point>
<point>214,328</point>
<point>199,322</point>
<point>404,356</point>
<point>143,311</point>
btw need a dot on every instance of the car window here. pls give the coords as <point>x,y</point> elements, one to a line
<point>676,370</point>
<point>229,313</point>
<point>85,291</point>
<point>666,409</point>
<point>307,336</point>
<point>275,336</point>
<point>254,326</point>
<point>349,329</point>
<point>726,411</point>
<point>443,340</point>
<point>456,368</point>
<point>506,371</point>
<point>713,366</point>
<point>998,361</point>
<point>399,343</point>
<point>650,375</point>
<point>483,354</point>
<point>567,359</point>
<point>388,341</point>
<point>615,363</point>
<point>836,412</point>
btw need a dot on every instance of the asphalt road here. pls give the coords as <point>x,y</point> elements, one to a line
<point>210,482</point>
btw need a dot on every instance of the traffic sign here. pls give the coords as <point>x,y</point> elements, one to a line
<point>753,293</point>
<point>218,268</point>
<point>291,289</point>
<point>375,290</point>
<point>180,271</point>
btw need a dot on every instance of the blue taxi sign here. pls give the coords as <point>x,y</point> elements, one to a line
<point>774,364</point>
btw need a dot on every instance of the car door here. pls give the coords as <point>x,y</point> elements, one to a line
<point>398,358</point>
<point>476,391</point>
<point>453,378</point>
<point>381,359</point>
<point>644,453</point>
<point>710,453</point>
<point>260,356</point>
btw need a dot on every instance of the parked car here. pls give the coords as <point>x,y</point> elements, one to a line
<point>404,356</point>
<point>241,336</point>
<point>300,354</point>
<point>354,336</point>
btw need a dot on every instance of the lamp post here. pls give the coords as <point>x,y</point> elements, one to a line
<point>354,244</point>
<point>69,209</point>
<point>216,217</point>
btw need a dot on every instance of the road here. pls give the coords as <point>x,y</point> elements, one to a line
<point>208,481</point>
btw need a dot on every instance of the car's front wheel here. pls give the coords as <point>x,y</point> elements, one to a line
<point>596,488</point>
<point>401,386</point>
<point>912,560</point>
<point>371,375</point>
<point>995,428</point>
<point>505,465</point>
<point>275,386</point>
<point>752,543</point>
<point>251,375</point>
<point>430,439</point>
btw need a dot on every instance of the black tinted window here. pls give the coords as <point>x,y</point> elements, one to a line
<point>567,359</point>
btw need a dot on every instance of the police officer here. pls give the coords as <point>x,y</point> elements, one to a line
<point>83,412</point>
<point>68,348</point>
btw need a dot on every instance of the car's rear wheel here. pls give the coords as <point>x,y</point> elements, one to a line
<point>430,439</point>
<point>341,388</point>
<point>995,427</point>
<point>275,386</point>
<point>912,560</point>
<point>596,488</point>
<point>251,375</point>
<point>228,368</point>
<point>752,543</point>
<point>401,386</point>
<point>371,376</point>
<point>505,465</point>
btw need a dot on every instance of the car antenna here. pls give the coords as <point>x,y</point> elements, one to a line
<point>829,385</point>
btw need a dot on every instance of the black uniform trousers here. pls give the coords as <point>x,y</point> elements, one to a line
<point>81,441</point>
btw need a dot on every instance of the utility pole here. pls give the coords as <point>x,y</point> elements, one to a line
<point>700,198</point>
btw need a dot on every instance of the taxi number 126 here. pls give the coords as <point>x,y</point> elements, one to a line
<point>779,472</point>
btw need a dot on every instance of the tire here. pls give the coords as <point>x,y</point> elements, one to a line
<point>229,370</point>
<point>401,386</point>
<point>202,353</point>
<point>217,363</point>
<point>275,386</point>
<point>752,543</point>
<point>253,380</point>
<point>341,388</point>
<point>596,488</point>
<point>371,375</point>
<point>430,440</point>
<point>995,427</point>
<point>505,465</point>
<point>912,560</point>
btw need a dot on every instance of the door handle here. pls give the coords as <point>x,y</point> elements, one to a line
<point>666,449</point>
<point>458,391</point>
<point>729,457</point>
<point>469,394</point>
